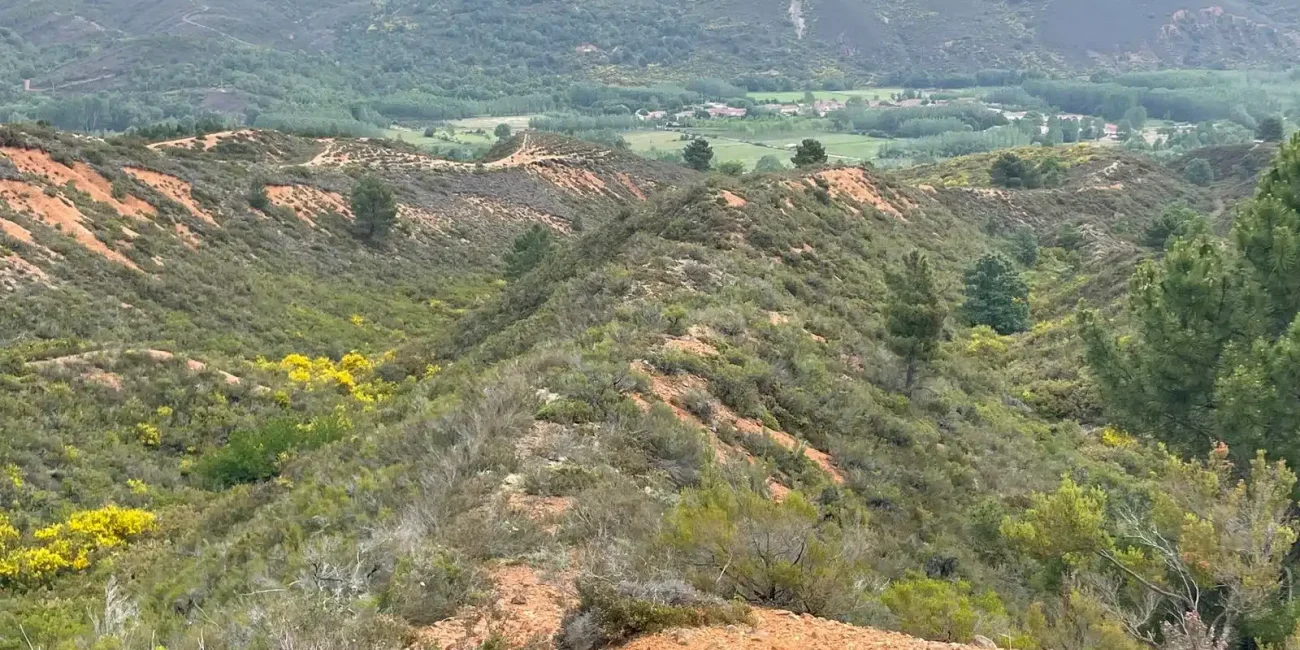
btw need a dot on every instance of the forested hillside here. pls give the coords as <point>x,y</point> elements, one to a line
<point>111,65</point>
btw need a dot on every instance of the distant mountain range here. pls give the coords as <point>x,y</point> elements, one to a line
<point>230,56</point>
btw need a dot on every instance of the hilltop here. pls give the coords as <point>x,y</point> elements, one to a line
<point>687,424</point>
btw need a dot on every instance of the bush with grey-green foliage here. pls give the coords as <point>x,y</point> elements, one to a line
<point>430,584</point>
<point>731,167</point>
<point>608,615</point>
<point>769,163</point>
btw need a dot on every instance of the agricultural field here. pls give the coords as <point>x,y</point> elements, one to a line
<point>845,147</point>
<point>487,123</point>
<point>453,142</point>
<point>1170,113</point>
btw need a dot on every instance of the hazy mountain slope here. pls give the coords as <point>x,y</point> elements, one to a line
<point>341,51</point>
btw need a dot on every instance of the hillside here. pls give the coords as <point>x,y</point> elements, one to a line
<point>165,215</point>
<point>690,423</point>
<point>175,58</point>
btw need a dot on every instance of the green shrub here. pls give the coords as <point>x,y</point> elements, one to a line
<point>566,411</point>
<point>739,544</point>
<point>613,614</point>
<point>732,167</point>
<point>255,455</point>
<point>430,585</point>
<point>529,249</point>
<point>940,610</point>
<point>1199,172</point>
<point>659,442</point>
<point>257,196</point>
<point>698,403</point>
<point>1175,221</point>
<point>561,480</point>
<point>676,317</point>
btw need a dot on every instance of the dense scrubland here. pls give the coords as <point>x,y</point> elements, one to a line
<point>931,401</point>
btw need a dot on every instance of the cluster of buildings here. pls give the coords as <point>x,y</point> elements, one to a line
<point>820,108</point>
<point>714,109</point>
<point>817,108</point>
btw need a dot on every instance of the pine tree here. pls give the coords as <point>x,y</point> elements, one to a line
<point>528,251</point>
<point>374,207</point>
<point>1024,246</point>
<point>1124,130</point>
<point>698,155</point>
<point>996,295</point>
<point>1214,352</point>
<point>809,153</point>
<point>1270,129</point>
<point>257,196</point>
<point>1137,117</point>
<point>1010,170</point>
<point>1199,172</point>
<point>1267,234</point>
<point>1069,130</point>
<point>1054,135</point>
<point>915,312</point>
<point>502,131</point>
<point>768,163</point>
<point>1187,308</point>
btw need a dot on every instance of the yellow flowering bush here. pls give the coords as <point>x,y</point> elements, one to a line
<point>985,344</point>
<point>8,534</point>
<point>70,544</point>
<point>1112,437</point>
<point>148,434</point>
<point>14,474</point>
<point>353,374</point>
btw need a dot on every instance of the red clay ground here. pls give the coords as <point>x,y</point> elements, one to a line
<point>780,630</point>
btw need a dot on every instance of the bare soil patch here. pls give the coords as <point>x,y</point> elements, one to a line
<point>308,202</point>
<point>207,142</point>
<point>526,609</point>
<point>782,630</point>
<point>59,213</point>
<point>854,183</point>
<point>732,200</point>
<point>81,176</point>
<point>173,188</point>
